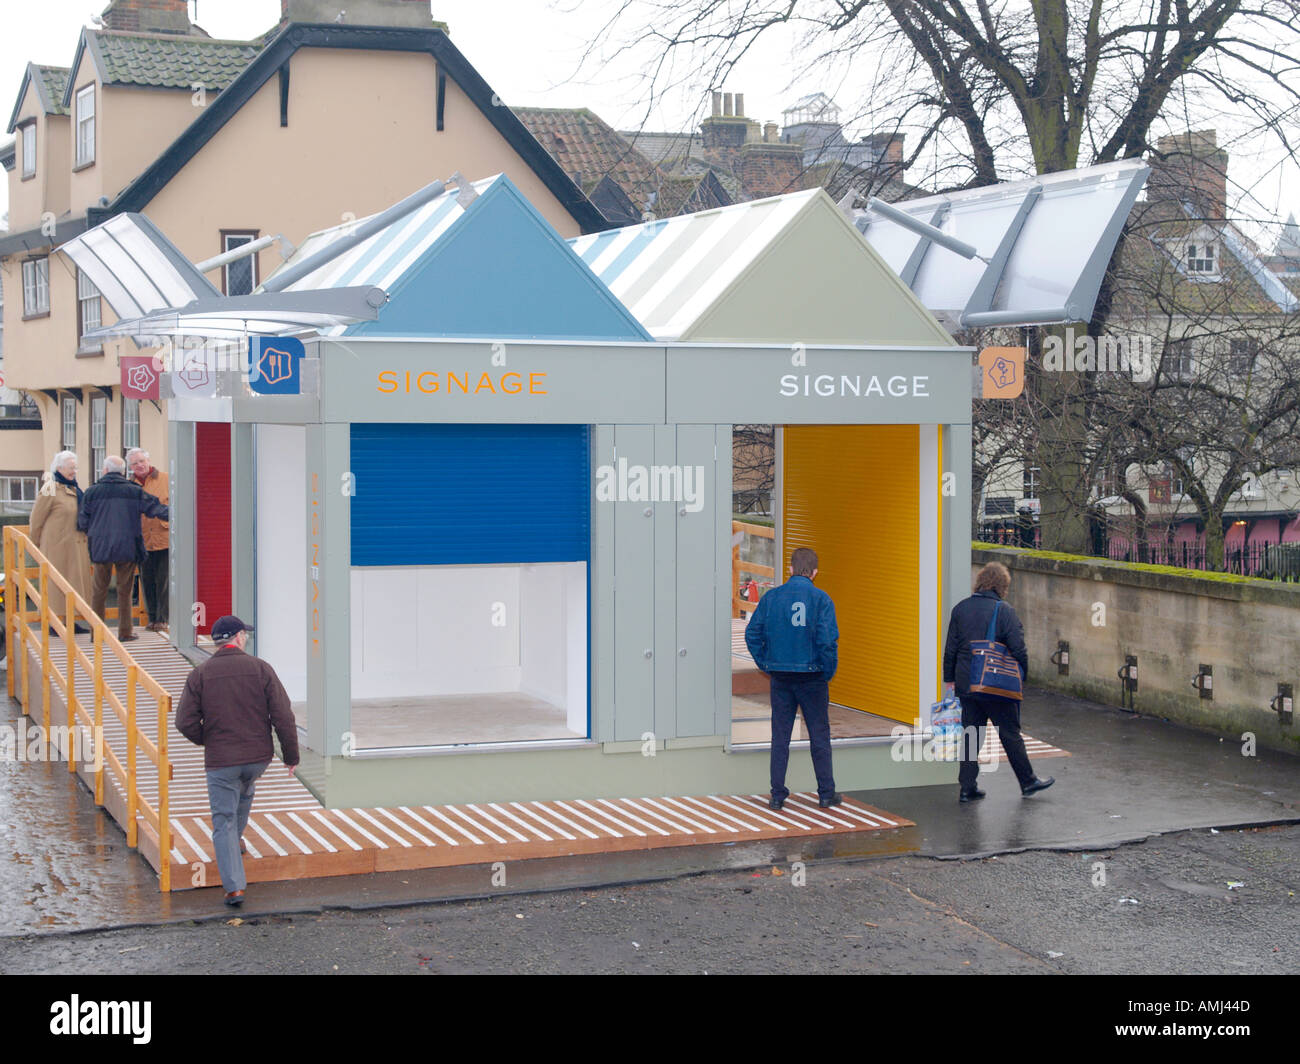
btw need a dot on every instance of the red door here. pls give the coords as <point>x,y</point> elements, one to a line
<point>212,521</point>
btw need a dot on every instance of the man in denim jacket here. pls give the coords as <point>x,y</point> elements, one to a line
<point>792,637</point>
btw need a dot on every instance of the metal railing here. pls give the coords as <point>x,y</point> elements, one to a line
<point>742,604</point>
<point>29,578</point>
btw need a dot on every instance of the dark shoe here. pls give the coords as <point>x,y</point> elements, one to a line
<point>1037,785</point>
<point>834,799</point>
<point>775,803</point>
<point>972,795</point>
<point>81,629</point>
<point>242,847</point>
<point>127,638</point>
<point>234,898</point>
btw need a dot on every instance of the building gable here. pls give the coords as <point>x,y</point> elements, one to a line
<point>842,293</point>
<point>501,270</point>
<point>274,60</point>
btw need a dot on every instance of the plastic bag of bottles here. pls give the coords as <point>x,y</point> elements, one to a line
<point>945,728</point>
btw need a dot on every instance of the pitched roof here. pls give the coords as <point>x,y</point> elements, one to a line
<point>668,272</point>
<point>285,43</point>
<point>1153,274</point>
<point>163,60</point>
<point>50,83</point>
<point>588,149</point>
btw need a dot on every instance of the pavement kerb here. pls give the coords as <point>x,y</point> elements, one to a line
<point>411,903</point>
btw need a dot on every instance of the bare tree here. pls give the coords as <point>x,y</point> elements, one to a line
<point>1023,86</point>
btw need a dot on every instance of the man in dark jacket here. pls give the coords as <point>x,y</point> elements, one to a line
<point>110,517</point>
<point>793,638</point>
<point>229,706</point>
<point>969,623</point>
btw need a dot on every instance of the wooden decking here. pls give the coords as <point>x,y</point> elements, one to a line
<point>291,835</point>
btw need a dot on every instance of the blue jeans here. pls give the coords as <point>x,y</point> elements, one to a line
<point>230,793</point>
<point>807,691</point>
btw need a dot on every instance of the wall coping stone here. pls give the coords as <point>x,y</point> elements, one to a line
<point>1160,577</point>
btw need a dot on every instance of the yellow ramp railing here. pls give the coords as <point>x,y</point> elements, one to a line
<point>29,578</point>
<point>739,605</point>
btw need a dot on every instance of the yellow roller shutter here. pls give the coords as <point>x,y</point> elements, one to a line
<point>850,493</point>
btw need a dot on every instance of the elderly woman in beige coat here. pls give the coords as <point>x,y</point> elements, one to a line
<point>54,530</point>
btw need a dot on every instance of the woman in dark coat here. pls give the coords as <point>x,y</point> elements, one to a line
<point>970,622</point>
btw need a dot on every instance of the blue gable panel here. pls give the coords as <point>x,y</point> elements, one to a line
<point>501,272</point>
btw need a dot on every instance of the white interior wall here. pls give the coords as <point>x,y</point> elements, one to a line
<point>553,647</point>
<point>281,520</point>
<point>442,630</point>
<point>430,630</point>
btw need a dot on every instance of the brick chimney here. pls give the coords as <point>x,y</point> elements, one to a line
<point>1191,167</point>
<point>148,16</point>
<point>888,147</point>
<point>414,13</point>
<point>727,128</point>
<point>768,169</point>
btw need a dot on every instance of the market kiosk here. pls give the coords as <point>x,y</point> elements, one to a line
<point>486,540</point>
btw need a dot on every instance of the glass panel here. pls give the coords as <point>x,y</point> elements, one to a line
<point>239,275</point>
<point>29,150</point>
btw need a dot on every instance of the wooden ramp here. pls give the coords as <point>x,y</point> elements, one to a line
<point>291,835</point>
<point>328,842</point>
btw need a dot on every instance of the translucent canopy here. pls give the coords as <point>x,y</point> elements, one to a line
<point>155,291</point>
<point>137,269</point>
<point>1043,245</point>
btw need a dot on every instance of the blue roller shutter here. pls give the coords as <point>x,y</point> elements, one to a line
<point>470,494</point>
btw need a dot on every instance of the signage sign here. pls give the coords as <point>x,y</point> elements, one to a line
<point>275,365</point>
<point>1002,372</point>
<point>140,377</point>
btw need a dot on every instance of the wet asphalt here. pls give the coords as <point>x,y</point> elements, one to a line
<point>1138,794</point>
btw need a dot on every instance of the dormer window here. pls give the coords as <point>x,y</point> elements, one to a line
<point>86,126</point>
<point>1201,259</point>
<point>29,150</point>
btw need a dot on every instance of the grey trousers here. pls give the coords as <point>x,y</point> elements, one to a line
<point>230,793</point>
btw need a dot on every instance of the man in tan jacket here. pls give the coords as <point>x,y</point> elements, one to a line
<point>154,571</point>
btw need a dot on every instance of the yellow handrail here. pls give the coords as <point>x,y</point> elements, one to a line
<point>739,605</point>
<point>20,589</point>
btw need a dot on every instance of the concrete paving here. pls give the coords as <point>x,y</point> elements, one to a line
<point>67,867</point>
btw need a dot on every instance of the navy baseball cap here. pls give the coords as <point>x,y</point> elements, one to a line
<point>227,628</point>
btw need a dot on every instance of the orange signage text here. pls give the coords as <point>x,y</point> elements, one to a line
<point>430,382</point>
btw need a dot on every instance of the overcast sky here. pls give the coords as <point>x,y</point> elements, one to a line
<point>529,51</point>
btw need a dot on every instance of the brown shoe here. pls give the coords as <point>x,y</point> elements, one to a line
<point>127,638</point>
<point>234,898</point>
<point>242,847</point>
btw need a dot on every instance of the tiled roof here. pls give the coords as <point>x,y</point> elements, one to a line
<point>54,80</point>
<point>168,61</point>
<point>1150,275</point>
<point>588,149</point>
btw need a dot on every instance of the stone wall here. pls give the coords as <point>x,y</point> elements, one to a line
<point>1173,621</point>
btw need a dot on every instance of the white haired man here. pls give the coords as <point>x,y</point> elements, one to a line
<point>110,517</point>
<point>153,570</point>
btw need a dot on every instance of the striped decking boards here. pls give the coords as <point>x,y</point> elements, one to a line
<point>352,841</point>
<point>291,836</point>
<point>992,750</point>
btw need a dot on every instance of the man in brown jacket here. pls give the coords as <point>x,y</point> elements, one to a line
<point>153,571</point>
<point>230,704</point>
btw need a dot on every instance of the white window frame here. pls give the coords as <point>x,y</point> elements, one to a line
<point>90,312</point>
<point>130,423</point>
<point>36,287</point>
<point>68,433</point>
<point>98,433</point>
<point>85,125</point>
<point>1202,258</point>
<point>240,238</point>
<point>26,494</point>
<point>29,150</point>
